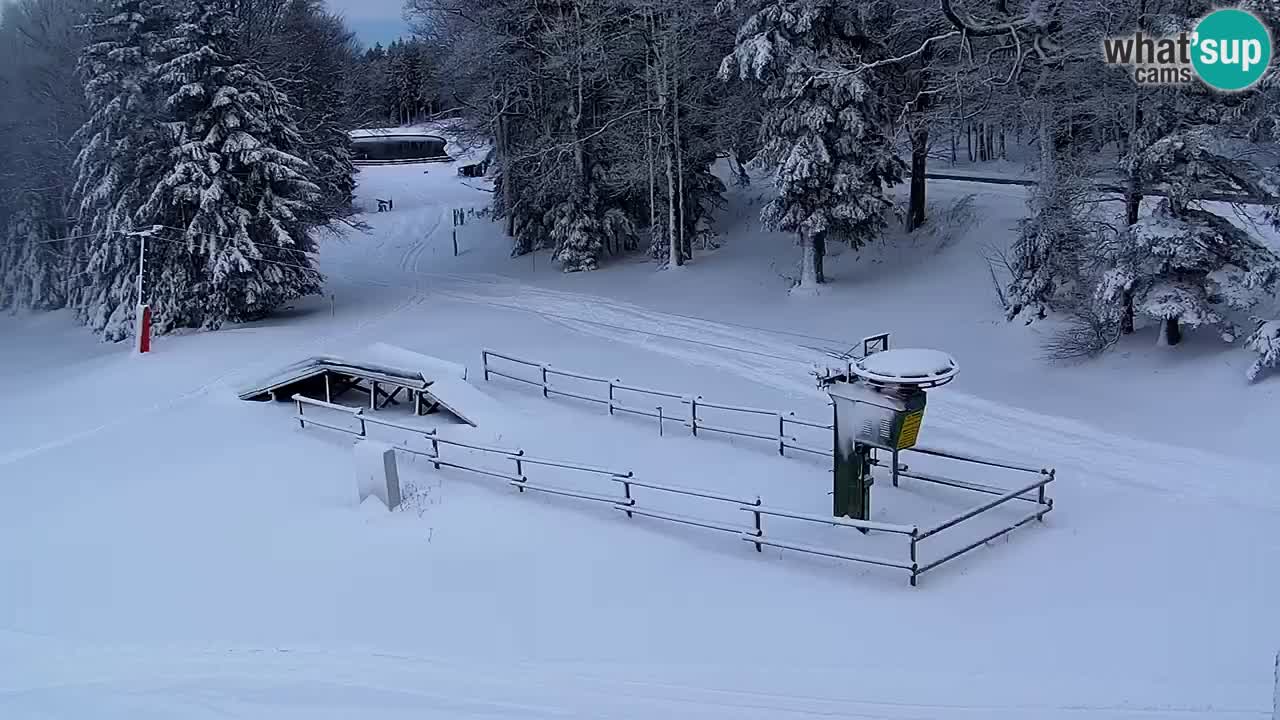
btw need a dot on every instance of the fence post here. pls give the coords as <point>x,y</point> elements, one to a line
<point>759,529</point>
<point>484,364</point>
<point>544,380</point>
<point>364,432</point>
<point>435,447</point>
<point>301,423</point>
<point>626,493</point>
<point>610,396</point>
<point>693,414</point>
<point>659,421</point>
<point>915,569</point>
<point>519,470</point>
<point>373,396</point>
<point>782,436</point>
<point>1040,501</point>
<point>894,472</point>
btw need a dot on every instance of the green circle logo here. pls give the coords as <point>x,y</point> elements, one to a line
<point>1231,49</point>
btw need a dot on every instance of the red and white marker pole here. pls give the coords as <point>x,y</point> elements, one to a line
<point>142,326</point>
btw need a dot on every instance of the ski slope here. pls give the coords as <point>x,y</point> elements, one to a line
<point>170,551</point>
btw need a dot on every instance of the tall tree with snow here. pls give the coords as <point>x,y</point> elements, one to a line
<point>1183,265</point>
<point>826,133</point>
<point>314,52</point>
<point>241,198</point>
<point>42,105</point>
<point>115,164</point>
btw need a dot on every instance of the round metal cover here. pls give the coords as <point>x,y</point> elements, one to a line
<point>918,367</point>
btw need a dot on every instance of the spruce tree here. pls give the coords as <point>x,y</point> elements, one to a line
<point>826,133</point>
<point>316,58</point>
<point>31,273</point>
<point>1265,341</point>
<point>1184,265</point>
<point>242,198</point>
<point>113,164</point>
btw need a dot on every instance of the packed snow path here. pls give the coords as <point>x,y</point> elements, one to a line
<point>170,550</point>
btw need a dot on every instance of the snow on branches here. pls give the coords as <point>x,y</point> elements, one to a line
<point>1265,341</point>
<point>826,136</point>
<point>1186,267</point>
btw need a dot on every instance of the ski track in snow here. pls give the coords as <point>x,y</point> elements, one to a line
<point>967,420</point>
<point>764,357</point>
<point>232,681</point>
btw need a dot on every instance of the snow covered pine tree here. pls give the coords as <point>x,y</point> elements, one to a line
<point>825,132</point>
<point>243,199</point>
<point>1265,341</point>
<point>1183,265</point>
<point>112,165</point>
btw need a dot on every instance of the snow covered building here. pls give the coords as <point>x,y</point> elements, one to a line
<point>390,145</point>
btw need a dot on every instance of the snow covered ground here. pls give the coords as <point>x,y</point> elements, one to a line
<point>171,551</point>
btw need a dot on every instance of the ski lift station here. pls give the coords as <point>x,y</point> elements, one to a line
<point>933,506</point>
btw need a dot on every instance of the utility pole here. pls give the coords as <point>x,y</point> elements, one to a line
<point>142,236</point>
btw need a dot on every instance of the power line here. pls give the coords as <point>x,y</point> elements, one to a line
<point>546,314</point>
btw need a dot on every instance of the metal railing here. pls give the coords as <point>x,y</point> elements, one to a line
<point>754,534</point>
<point>782,438</point>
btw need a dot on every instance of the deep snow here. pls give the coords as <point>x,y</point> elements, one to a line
<point>170,551</point>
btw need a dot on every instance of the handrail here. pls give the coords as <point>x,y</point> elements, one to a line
<point>961,484</point>
<point>651,391</point>
<point>331,406</point>
<point>683,519</point>
<point>1012,494</point>
<point>572,466</point>
<point>737,408</point>
<point>843,522</point>
<point>495,353</point>
<point>552,490</point>
<point>688,491</point>
<point>791,418</point>
<point>813,550</point>
<point>576,375</point>
<point>1037,515</point>
<point>976,459</point>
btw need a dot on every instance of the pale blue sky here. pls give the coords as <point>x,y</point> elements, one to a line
<point>373,20</point>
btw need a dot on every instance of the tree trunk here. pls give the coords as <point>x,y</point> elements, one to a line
<point>918,130</point>
<point>650,94</point>
<point>919,165</point>
<point>820,257</point>
<point>508,181</point>
<point>968,139</point>
<point>685,250</point>
<point>675,257</point>
<point>808,264</point>
<point>1132,201</point>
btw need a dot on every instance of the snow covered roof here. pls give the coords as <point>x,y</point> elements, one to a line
<point>390,136</point>
<point>443,380</point>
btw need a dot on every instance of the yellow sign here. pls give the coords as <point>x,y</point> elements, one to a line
<point>910,429</point>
